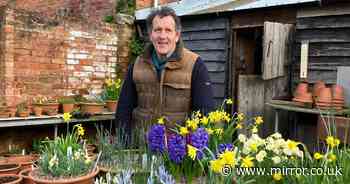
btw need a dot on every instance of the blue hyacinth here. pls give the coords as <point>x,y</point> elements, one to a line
<point>176,148</point>
<point>224,147</point>
<point>156,138</point>
<point>199,139</point>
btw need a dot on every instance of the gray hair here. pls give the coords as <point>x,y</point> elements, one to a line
<point>163,12</point>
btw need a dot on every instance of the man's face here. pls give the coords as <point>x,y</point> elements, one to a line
<point>164,35</point>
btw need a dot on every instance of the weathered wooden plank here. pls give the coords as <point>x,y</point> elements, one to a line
<point>343,78</point>
<point>213,55</point>
<point>215,66</point>
<point>275,49</point>
<point>326,49</point>
<point>330,77</point>
<point>201,45</point>
<point>315,11</point>
<point>204,24</point>
<point>219,90</point>
<point>203,35</point>
<point>324,35</point>
<point>339,21</point>
<point>250,96</point>
<point>217,77</point>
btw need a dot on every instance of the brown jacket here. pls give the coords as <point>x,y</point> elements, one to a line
<point>169,96</point>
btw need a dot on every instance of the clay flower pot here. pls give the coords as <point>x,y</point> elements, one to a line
<point>87,179</point>
<point>12,111</point>
<point>24,113</point>
<point>4,114</point>
<point>26,161</point>
<point>67,108</point>
<point>50,107</point>
<point>111,105</point>
<point>10,179</point>
<point>38,110</point>
<point>325,95</point>
<point>338,92</point>
<point>92,108</point>
<point>301,89</point>
<point>317,88</point>
<point>25,175</point>
<point>9,168</point>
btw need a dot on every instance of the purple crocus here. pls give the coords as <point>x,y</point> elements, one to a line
<point>156,138</point>
<point>176,148</point>
<point>199,139</point>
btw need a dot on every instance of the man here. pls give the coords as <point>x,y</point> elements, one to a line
<point>166,81</point>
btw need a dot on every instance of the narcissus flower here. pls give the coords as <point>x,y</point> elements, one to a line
<point>247,162</point>
<point>67,117</point>
<point>332,141</point>
<point>277,176</point>
<point>258,120</point>
<point>161,121</point>
<point>184,131</point>
<point>192,152</point>
<point>318,156</point>
<point>229,101</point>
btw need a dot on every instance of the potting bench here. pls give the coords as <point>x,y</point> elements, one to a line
<point>52,120</point>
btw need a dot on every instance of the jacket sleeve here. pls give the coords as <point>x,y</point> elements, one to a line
<point>202,92</point>
<point>127,101</point>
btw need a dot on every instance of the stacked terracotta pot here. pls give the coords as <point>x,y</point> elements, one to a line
<point>301,94</point>
<point>328,98</point>
<point>338,97</point>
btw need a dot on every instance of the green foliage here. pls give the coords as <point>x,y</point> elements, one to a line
<point>109,18</point>
<point>66,100</point>
<point>136,46</point>
<point>112,89</point>
<point>64,157</point>
<point>126,6</point>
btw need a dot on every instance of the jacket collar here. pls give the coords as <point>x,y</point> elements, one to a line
<point>173,61</point>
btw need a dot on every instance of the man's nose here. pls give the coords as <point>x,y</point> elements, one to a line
<point>163,34</point>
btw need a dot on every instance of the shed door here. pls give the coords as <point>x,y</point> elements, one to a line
<point>277,42</point>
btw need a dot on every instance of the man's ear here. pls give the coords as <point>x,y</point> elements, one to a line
<point>178,34</point>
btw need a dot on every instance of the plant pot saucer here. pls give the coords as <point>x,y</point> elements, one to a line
<point>302,100</point>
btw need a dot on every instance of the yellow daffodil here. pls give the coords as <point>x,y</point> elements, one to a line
<point>254,130</point>
<point>239,126</point>
<point>292,145</point>
<point>217,165</point>
<point>277,176</point>
<point>258,120</point>
<point>229,101</point>
<point>253,147</point>
<point>240,117</point>
<point>67,117</point>
<point>184,131</point>
<point>197,114</point>
<point>228,157</point>
<point>109,82</point>
<point>318,156</point>
<point>247,162</point>
<point>332,157</point>
<point>332,141</point>
<point>204,120</point>
<point>209,130</point>
<point>219,131</point>
<point>161,120</point>
<point>80,130</point>
<point>192,124</point>
<point>192,152</point>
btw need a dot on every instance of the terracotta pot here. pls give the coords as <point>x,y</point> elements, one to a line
<point>25,175</point>
<point>24,113</point>
<point>87,179</point>
<point>4,114</point>
<point>317,88</point>
<point>111,105</point>
<point>9,168</point>
<point>50,107</point>
<point>38,110</point>
<point>338,92</point>
<point>26,161</point>
<point>12,111</point>
<point>301,89</point>
<point>67,108</point>
<point>325,95</point>
<point>10,179</point>
<point>91,108</point>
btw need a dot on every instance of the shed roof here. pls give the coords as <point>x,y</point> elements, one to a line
<point>195,7</point>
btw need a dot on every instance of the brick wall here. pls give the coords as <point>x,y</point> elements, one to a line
<point>41,56</point>
<point>140,4</point>
<point>91,10</point>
